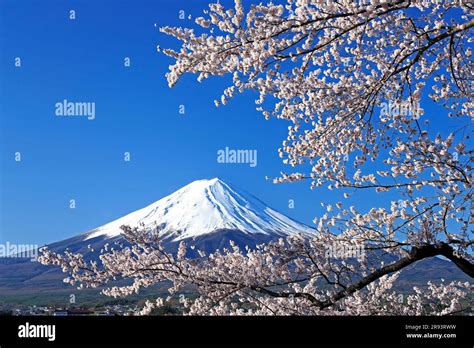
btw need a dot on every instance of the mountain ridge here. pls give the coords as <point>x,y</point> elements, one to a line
<point>202,207</point>
<point>250,222</point>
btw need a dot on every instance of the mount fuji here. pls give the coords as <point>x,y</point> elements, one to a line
<point>203,208</point>
<point>206,214</point>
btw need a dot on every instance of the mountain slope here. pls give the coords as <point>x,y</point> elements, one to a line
<point>207,214</point>
<point>203,207</point>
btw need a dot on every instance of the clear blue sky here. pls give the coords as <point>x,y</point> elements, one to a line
<point>136,112</point>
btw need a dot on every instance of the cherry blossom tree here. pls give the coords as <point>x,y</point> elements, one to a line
<point>350,78</point>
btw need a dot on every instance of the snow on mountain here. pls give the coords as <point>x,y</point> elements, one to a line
<point>210,214</point>
<point>203,207</point>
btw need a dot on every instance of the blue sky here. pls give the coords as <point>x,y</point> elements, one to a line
<point>136,112</point>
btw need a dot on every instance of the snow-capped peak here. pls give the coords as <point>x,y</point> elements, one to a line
<point>205,206</point>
